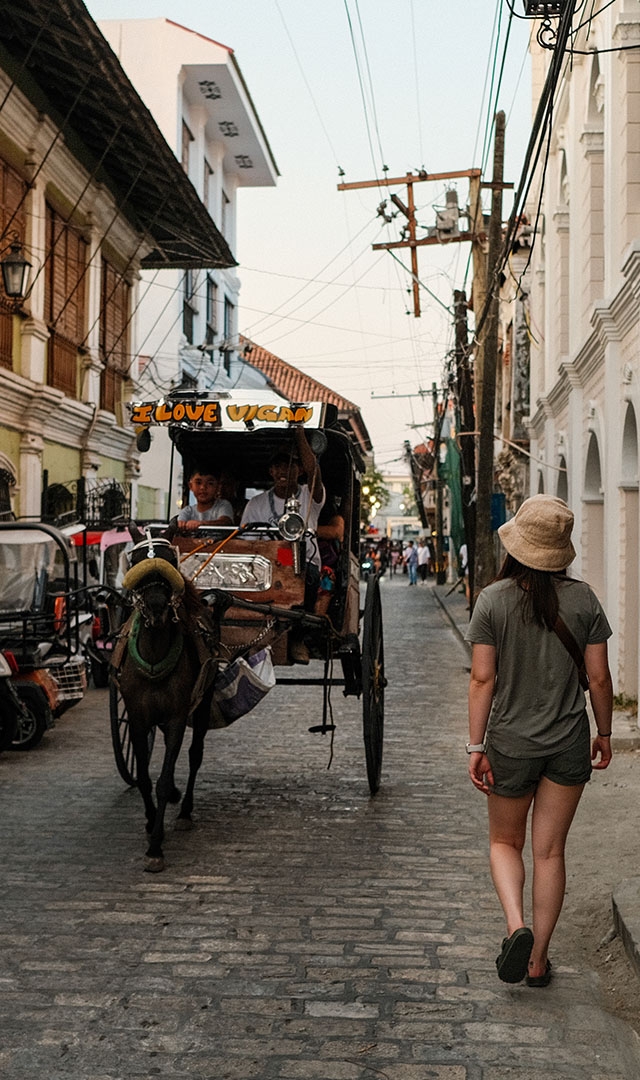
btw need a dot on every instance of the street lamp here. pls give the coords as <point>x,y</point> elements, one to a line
<point>15,270</point>
<point>546,10</point>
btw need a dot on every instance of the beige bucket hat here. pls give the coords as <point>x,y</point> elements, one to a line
<point>539,536</point>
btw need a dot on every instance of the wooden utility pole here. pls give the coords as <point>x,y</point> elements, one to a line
<point>467,428</point>
<point>485,556</point>
<point>441,575</point>
<point>409,211</point>
<point>479,253</point>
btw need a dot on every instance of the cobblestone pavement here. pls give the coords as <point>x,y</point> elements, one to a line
<point>303,930</point>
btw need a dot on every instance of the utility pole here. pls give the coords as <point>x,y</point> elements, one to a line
<point>485,556</point>
<point>479,254</point>
<point>467,428</point>
<point>409,212</point>
<point>441,576</point>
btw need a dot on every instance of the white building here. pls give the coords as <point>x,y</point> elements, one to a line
<point>195,90</point>
<point>585,315</point>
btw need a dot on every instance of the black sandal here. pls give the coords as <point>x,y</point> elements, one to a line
<point>513,961</point>
<point>540,980</point>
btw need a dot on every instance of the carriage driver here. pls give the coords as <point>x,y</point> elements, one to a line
<point>288,465</point>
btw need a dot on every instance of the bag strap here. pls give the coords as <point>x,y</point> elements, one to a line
<point>561,629</point>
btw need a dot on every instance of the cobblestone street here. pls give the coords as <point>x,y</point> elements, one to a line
<point>302,930</point>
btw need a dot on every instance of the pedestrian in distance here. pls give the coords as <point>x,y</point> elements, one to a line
<point>538,638</point>
<point>424,558</point>
<point>410,556</point>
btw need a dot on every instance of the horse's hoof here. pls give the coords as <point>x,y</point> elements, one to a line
<point>183,824</point>
<point>153,864</point>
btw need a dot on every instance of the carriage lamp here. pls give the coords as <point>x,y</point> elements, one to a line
<point>15,270</point>
<point>291,524</point>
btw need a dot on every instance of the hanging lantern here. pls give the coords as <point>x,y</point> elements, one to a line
<point>15,271</point>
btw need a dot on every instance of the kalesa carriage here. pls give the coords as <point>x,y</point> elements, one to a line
<point>212,608</point>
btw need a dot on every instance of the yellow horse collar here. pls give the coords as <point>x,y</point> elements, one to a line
<point>154,566</point>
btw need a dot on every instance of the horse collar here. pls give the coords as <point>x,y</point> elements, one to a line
<point>166,665</point>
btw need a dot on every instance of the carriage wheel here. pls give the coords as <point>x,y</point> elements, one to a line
<point>121,737</point>
<point>373,683</point>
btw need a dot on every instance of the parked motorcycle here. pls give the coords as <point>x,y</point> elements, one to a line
<point>25,706</point>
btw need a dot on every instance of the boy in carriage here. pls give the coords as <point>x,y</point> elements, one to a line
<point>208,507</point>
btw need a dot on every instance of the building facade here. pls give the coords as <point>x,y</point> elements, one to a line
<point>585,315</point>
<point>92,194</point>
<point>188,321</point>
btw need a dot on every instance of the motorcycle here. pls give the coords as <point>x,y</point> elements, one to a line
<point>25,708</point>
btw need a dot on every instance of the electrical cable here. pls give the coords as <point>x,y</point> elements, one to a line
<point>415,70</point>
<point>307,84</point>
<point>251,328</point>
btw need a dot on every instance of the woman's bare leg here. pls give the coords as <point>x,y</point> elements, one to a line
<point>554,806</point>
<point>507,832</point>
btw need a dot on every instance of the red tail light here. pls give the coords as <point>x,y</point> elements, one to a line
<point>12,662</point>
<point>96,627</point>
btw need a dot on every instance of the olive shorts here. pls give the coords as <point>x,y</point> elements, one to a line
<point>515,777</point>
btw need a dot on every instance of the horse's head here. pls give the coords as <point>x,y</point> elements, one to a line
<point>154,581</point>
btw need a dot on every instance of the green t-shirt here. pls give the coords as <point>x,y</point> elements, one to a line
<point>538,705</point>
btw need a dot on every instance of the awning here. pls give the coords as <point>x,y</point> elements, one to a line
<point>59,59</point>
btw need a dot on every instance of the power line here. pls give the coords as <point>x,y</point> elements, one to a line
<point>307,84</point>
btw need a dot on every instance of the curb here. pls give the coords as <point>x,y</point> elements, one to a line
<point>451,619</point>
<point>625,902</point>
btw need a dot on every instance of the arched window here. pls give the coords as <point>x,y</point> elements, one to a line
<point>593,472</point>
<point>562,487</point>
<point>596,94</point>
<point>540,483</point>
<point>630,447</point>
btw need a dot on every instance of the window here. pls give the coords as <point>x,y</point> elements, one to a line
<point>189,309</point>
<point>187,139</point>
<point>64,300</point>
<point>212,310</point>
<point>114,336</point>
<point>229,312</point>
<point>206,185</point>
<point>225,214</point>
<point>12,218</point>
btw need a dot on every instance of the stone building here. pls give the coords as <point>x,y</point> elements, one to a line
<point>585,315</point>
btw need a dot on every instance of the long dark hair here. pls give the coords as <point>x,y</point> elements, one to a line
<point>539,596</point>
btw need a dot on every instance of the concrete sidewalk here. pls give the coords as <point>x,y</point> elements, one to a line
<point>625,899</point>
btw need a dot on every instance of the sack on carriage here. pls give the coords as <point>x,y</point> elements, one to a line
<point>241,685</point>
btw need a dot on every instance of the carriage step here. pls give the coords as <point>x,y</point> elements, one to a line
<point>322,729</point>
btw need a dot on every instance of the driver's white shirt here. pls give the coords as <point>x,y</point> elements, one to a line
<point>261,507</point>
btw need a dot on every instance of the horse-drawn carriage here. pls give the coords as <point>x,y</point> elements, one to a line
<point>256,576</point>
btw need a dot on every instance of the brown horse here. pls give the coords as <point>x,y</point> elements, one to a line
<point>164,663</point>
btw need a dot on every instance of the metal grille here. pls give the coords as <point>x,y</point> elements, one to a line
<point>71,679</point>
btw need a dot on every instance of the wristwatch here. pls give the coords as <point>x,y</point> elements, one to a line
<point>475,748</point>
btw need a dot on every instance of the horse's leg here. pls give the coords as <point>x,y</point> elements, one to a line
<point>196,753</point>
<point>140,742</point>
<point>165,787</point>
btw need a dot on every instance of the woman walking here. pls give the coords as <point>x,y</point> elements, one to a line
<point>529,745</point>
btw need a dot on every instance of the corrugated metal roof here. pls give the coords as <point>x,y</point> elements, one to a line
<point>59,59</point>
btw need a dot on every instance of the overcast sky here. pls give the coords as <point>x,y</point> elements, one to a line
<point>427,61</point>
